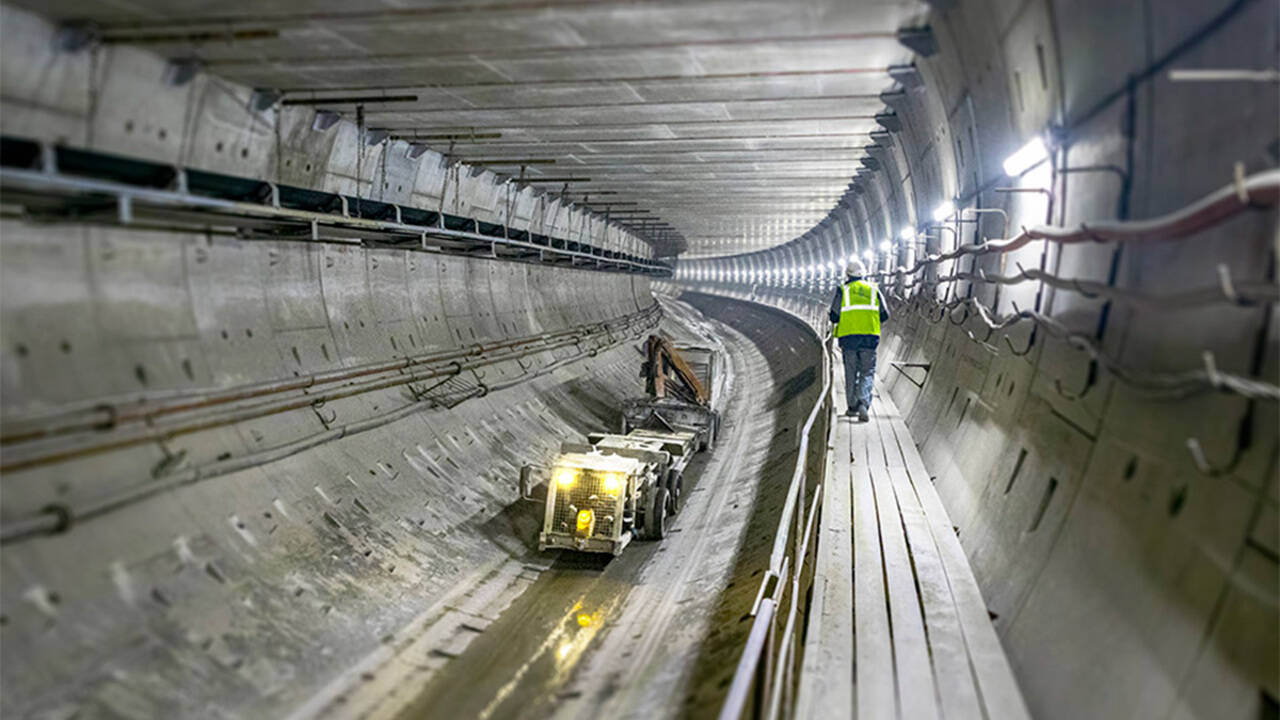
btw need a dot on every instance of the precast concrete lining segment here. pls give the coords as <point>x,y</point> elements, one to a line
<point>491,52</point>
<point>147,19</point>
<point>374,113</point>
<point>333,524</point>
<point>562,70</point>
<point>36,187</point>
<point>619,79</point>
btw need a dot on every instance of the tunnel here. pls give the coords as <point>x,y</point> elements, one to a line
<point>306,307</point>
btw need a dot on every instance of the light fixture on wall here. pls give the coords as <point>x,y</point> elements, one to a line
<point>885,246</point>
<point>1026,157</point>
<point>944,211</point>
<point>908,233</point>
<point>868,254</point>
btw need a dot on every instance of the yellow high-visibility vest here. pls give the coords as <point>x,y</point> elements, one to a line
<point>859,310</point>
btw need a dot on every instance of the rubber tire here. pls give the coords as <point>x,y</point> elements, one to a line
<point>675,491</point>
<point>709,438</point>
<point>655,519</point>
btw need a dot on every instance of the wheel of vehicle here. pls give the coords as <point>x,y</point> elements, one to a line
<point>709,437</point>
<point>655,520</point>
<point>675,491</point>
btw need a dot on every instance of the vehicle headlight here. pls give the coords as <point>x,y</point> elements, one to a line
<point>612,482</point>
<point>566,477</point>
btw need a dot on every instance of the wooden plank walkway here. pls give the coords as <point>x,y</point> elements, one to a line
<point>920,645</point>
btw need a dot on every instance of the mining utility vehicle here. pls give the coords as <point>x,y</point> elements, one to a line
<point>603,493</point>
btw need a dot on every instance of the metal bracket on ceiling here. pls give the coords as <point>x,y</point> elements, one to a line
<point>324,120</point>
<point>263,99</point>
<point>882,138</point>
<point>919,40</point>
<point>180,71</point>
<point>870,163</point>
<point>75,36</point>
<point>893,98</point>
<point>889,121</point>
<point>907,75</point>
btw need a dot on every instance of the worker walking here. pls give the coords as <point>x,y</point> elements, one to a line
<point>857,311</point>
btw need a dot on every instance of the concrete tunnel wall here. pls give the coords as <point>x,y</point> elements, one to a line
<point>1145,589</point>
<point>1124,580</point>
<point>117,99</point>
<point>237,570</point>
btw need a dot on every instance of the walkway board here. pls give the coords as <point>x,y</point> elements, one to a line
<point>922,645</point>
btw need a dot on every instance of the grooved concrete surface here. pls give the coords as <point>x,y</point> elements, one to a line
<point>715,126</point>
<point>265,581</point>
<point>1124,581</point>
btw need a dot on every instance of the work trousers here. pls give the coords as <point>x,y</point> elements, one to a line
<point>859,353</point>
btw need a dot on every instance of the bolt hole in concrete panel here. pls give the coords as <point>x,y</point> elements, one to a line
<point>162,133</point>
<point>1177,500</point>
<point>244,153</point>
<point>187,369</point>
<point>248,332</point>
<point>128,126</point>
<point>1049,490</point>
<point>1269,707</point>
<point>218,146</point>
<point>1017,468</point>
<point>297,357</point>
<point>324,350</point>
<point>21,350</point>
<point>1044,75</point>
<point>1131,468</point>
<point>140,373</point>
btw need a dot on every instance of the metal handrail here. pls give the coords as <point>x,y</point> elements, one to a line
<point>791,548</point>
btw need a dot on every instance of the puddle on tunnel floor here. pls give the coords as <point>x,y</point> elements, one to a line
<point>523,662</point>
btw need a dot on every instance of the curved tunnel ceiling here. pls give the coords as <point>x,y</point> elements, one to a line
<point>721,128</point>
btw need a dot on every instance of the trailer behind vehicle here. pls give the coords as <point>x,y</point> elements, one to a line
<point>615,487</point>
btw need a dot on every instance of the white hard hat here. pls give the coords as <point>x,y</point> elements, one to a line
<point>855,268</point>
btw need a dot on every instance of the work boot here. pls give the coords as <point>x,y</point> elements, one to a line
<point>862,414</point>
<point>850,412</point>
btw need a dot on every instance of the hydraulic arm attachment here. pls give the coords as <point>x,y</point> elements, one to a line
<point>667,374</point>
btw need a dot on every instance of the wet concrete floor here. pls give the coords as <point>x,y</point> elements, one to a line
<point>650,633</point>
